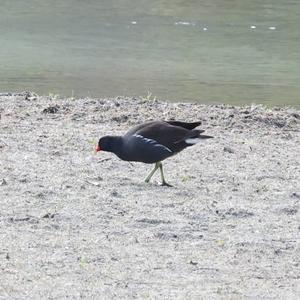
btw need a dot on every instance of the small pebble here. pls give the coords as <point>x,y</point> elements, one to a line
<point>49,216</point>
<point>115,194</point>
<point>51,110</point>
<point>3,182</point>
<point>296,195</point>
<point>228,149</point>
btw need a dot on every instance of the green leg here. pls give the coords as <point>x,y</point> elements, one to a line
<point>152,172</point>
<point>162,175</point>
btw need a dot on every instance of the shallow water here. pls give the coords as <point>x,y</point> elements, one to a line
<point>211,51</point>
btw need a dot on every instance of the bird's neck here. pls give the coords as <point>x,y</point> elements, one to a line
<point>116,145</point>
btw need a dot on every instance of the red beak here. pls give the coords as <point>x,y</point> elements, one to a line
<point>98,149</point>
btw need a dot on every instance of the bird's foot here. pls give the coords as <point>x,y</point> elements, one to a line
<point>164,183</point>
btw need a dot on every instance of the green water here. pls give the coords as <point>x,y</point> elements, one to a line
<point>202,51</point>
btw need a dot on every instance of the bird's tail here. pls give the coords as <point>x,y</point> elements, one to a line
<point>194,137</point>
<point>195,140</point>
<point>203,136</point>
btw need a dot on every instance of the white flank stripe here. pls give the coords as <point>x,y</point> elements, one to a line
<point>152,142</point>
<point>192,141</point>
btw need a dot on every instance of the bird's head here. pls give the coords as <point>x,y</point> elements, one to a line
<point>105,143</point>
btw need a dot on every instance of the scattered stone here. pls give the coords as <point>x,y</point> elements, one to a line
<point>279,123</point>
<point>153,221</point>
<point>242,214</point>
<point>25,219</point>
<point>296,195</point>
<point>277,251</point>
<point>3,182</point>
<point>40,195</point>
<point>30,96</point>
<point>49,215</point>
<point>289,211</point>
<point>102,160</point>
<point>77,116</point>
<point>166,236</point>
<point>115,194</point>
<point>51,110</point>
<point>120,119</point>
<point>228,149</point>
<point>236,213</point>
<point>295,115</point>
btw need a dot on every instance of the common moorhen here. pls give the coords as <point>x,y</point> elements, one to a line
<point>153,142</point>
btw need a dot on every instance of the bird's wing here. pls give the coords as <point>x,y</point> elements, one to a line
<point>152,144</point>
<point>137,128</point>
<point>164,134</point>
<point>185,125</point>
<point>143,149</point>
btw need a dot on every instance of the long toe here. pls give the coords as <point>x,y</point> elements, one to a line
<point>166,184</point>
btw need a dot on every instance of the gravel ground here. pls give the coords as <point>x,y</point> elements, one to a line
<point>75,225</point>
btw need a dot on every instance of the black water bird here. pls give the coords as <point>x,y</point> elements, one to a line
<point>152,142</point>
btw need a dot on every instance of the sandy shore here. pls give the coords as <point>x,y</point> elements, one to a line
<point>78,225</point>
